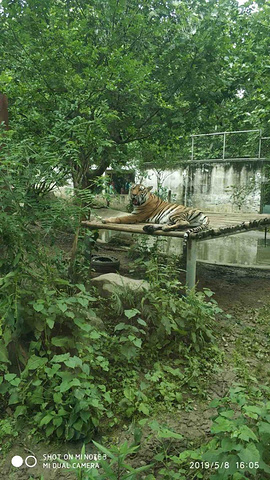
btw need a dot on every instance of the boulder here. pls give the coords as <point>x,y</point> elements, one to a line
<point>109,282</point>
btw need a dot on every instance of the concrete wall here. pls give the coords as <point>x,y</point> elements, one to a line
<point>205,186</point>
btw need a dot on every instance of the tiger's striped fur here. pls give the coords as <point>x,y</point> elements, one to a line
<point>169,216</point>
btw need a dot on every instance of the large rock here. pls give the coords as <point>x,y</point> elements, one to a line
<point>109,282</point>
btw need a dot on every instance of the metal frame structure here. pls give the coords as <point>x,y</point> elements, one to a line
<point>225,134</point>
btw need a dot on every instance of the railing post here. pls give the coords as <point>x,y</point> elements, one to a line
<point>260,144</point>
<point>224,146</point>
<point>192,147</point>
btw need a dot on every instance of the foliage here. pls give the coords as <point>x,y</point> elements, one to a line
<point>47,326</point>
<point>239,195</point>
<point>47,323</point>
<point>170,312</point>
<point>56,354</point>
<point>170,334</point>
<point>239,448</point>
<point>118,469</point>
<point>112,464</point>
<point>8,433</point>
<point>89,88</point>
<point>266,185</point>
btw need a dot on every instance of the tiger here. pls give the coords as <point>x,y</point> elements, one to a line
<point>148,207</point>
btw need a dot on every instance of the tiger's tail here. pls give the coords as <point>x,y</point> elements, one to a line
<point>203,226</point>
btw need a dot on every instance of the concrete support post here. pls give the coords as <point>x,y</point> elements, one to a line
<point>191,263</point>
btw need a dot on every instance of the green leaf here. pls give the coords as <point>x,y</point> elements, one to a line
<point>3,353</point>
<point>120,326</point>
<point>208,292</point>
<point>131,313</point>
<point>166,433</point>
<point>252,411</point>
<point>57,421</point>
<point>50,322</point>
<point>10,376</point>
<point>57,397</point>
<point>85,416</point>
<point>129,351</point>
<point>86,369</point>
<point>35,362</point>
<point>264,428</point>
<point>79,394</point>
<point>94,335</point>
<point>61,341</point>
<point>246,434</point>
<point>52,371</point>
<point>137,342</point>
<point>73,362</point>
<point>81,287</point>
<point>144,409</point>
<point>141,322</point>
<point>108,397</point>
<point>49,430</point>
<point>62,306</point>
<point>39,305</point>
<point>249,453</point>
<point>221,425</point>
<point>20,410</point>
<point>104,450</point>
<point>14,398</point>
<point>229,444</point>
<point>46,419</point>
<point>83,325</point>
<point>193,337</point>
<point>67,385</point>
<point>78,425</point>
<point>83,301</point>
<point>227,413</point>
<point>60,358</point>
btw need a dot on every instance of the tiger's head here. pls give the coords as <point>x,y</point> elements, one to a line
<point>139,194</point>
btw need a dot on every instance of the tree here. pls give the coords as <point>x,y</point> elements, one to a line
<point>96,83</point>
<point>249,70</point>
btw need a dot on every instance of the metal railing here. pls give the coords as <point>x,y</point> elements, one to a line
<point>229,149</point>
<point>238,145</point>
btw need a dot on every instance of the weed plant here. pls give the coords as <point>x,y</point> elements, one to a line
<point>239,448</point>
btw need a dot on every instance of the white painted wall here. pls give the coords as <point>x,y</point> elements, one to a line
<point>205,186</point>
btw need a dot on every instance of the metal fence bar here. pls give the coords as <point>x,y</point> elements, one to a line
<point>224,146</point>
<point>260,144</point>
<point>192,147</point>
<point>222,133</point>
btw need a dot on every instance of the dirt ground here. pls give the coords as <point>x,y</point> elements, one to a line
<point>244,298</point>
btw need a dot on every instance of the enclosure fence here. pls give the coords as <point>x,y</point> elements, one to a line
<point>225,146</point>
